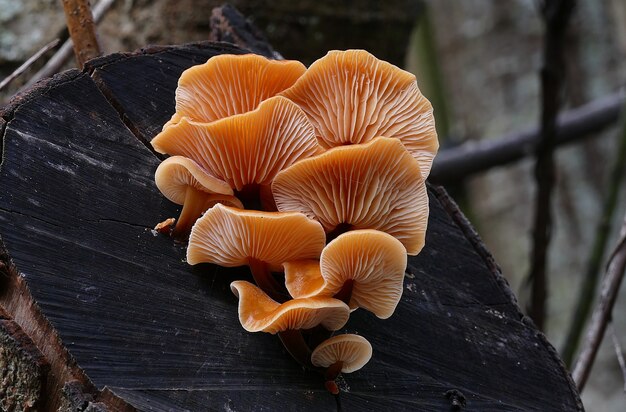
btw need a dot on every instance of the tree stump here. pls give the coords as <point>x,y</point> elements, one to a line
<point>101,313</point>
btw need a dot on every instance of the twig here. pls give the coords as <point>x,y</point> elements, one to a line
<point>456,163</point>
<point>65,51</point>
<point>619,352</point>
<point>82,30</point>
<point>602,313</point>
<point>27,63</point>
<point>592,273</point>
<point>556,14</point>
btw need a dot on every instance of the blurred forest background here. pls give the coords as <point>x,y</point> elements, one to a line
<point>478,61</point>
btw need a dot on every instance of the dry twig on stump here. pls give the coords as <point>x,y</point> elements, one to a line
<point>82,30</point>
<point>24,66</point>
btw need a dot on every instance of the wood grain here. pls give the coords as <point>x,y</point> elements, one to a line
<point>77,204</point>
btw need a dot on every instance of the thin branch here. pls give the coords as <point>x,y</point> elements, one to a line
<point>65,51</point>
<point>82,30</point>
<point>619,352</point>
<point>592,274</point>
<point>556,14</point>
<point>27,63</point>
<point>454,164</point>
<point>602,313</point>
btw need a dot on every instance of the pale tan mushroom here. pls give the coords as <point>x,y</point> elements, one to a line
<point>262,240</point>
<point>341,354</point>
<point>246,150</point>
<point>231,84</point>
<point>363,268</point>
<point>352,97</point>
<point>184,182</point>
<point>377,185</point>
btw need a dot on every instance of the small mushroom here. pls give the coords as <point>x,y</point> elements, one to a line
<point>262,240</point>
<point>376,185</point>
<point>231,84</point>
<point>184,182</point>
<point>363,268</point>
<point>352,97</point>
<point>245,150</point>
<point>341,354</point>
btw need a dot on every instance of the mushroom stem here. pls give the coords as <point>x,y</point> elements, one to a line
<point>193,207</point>
<point>294,342</point>
<point>265,280</point>
<point>267,198</point>
<point>345,293</point>
<point>338,230</point>
<point>331,375</point>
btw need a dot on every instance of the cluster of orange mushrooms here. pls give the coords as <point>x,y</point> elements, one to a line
<point>315,176</point>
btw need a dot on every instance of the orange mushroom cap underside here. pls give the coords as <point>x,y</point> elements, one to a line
<point>244,149</point>
<point>231,84</point>
<point>176,173</point>
<point>259,313</point>
<point>230,237</point>
<point>353,351</point>
<point>352,97</point>
<point>377,185</point>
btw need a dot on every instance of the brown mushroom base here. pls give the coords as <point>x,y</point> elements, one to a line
<point>331,374</point>
<point>193,207</point>
<point>265,280</point>
<point>345,293</point>
<point>340,229</point>
<point>257,197</point>
<point>295,344</point>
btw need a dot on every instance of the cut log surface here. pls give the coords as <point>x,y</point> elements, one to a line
<point>114,307</point>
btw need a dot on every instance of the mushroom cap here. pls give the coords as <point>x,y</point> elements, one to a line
<point>230,237</point>
<point>303,278</point>
<point>373,260</point>
<point>376,185</point>
<point>244,149</point>
<point>353,351</point>
<point>352,97</point>
<point>231,84</point>
<point>259,313</point>
<point>176,173</point>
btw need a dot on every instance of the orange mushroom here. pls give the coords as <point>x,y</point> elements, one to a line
<point>377,185</point>
<point>262,240</point>
<point>363,268</point>
<point>184,182</point>
<point>341,354</point>
<point>231,84</point>
<point>245,150</point>
<point>259,313</point>
<point>352,97</point>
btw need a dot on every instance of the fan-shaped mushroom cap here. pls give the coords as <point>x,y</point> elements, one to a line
<point>352,97</point>
<point>230,237</point>
<point>376,185</point>
<point>175,174</point>
<point>229,84</point>
<point>353,351</point>
<point>244,149</point>
<point>259,313</point>
<point>374,261</point>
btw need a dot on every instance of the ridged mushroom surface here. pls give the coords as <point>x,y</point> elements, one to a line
<point>231,237</point>
<point>245,149</point>
<point>259,313</point>
<point>352,97</point>
<point>374,262</point>
<point>377,185</point>
<point>353,351</point>
<point>231,84</point>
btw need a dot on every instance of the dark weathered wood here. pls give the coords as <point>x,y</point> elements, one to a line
<point>77,204</point>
